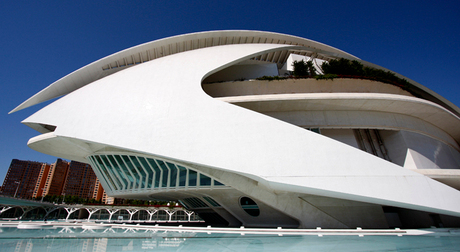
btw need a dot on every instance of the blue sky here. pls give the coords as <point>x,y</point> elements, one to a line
<point>42,41</point>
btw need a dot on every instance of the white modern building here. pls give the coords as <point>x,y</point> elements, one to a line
<point>183,118</point>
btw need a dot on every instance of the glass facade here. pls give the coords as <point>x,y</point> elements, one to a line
<point>128,172</point>
<point>211,201</point>
<point>193,203</point>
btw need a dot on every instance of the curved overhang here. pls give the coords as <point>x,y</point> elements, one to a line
<point>395,104</point>
<point>177,44</point>
<point>422,91</point>
<point>181,43</point>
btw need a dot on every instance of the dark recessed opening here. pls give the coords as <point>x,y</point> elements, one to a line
<point>249,206</point>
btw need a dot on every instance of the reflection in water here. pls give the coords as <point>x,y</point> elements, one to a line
<point>131,239</point>
<point>89,244</point>
<point>240,243</point>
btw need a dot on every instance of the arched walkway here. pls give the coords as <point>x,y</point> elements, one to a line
<point>11,212</point>
<point>81,213</point>
<point>46,211</point>
<point>160,215</point>
<point>101,214</point>
<point>141,215</point>
<point>121,215</point>
<point>179,215</point>
<point>56,214</point>
<point>34,214</point>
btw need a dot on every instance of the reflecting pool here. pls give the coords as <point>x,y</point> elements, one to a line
<point>30,237</point>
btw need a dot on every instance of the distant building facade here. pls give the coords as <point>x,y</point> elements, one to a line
<point>56,178</point>
<point>82,182</point>
<point>21,178</point>
<point>40,185</point>
<point>30,179</point>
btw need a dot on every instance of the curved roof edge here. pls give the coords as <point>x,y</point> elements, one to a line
<point>422,91</point>
<point>167,46</point>
<point>191,41</point>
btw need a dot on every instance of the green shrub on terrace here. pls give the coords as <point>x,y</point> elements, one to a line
<point>354,69</point>
<point>343,67</point>
<point>302,68</point>
<point>326,77</point>
<point>270,78</point>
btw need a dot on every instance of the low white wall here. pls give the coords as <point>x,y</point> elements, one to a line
<point>257,87</point>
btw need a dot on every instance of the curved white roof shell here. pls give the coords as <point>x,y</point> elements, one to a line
<point>167,46</point>
<point>176,44</point>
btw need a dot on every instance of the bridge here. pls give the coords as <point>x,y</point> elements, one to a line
<point>22,209</point>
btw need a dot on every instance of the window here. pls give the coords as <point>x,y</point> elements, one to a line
<point>134,172</point>
<point>249,206</point>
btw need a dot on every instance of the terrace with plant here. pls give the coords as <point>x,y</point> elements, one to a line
<point>342,68</point>
<point>350,76</point>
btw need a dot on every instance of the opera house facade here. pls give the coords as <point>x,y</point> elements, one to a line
<point>187,118</point>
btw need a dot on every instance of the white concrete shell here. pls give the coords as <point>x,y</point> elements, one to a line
<point>252,144</point>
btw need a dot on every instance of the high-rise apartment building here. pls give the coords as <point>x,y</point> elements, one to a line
<point>21,178</point>
<point>56,178</point>
<point>81,181</point>
<point>41,182</point>
<point>99,193</point>
<point>28,179</point>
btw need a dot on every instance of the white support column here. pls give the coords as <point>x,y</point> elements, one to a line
<point>131,213</point>
<point>70,210</point>
<point>91,211</point>
<point>151,213</point>
<point>26,209</point>
<point>170,213</point>
<point>111,213</point>
<point>5,208</point>
<point>189,213</point>
<point>48,210</point>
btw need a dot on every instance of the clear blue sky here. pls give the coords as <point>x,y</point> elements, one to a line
<point>42,41</point>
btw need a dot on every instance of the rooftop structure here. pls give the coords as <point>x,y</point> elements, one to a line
<point>183,118</point>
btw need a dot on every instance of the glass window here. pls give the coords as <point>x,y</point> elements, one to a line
<point>122,171</point>
<point>194,202</point>
<point>211,201</point>
<point>164,179</point>
<point>142,174</point>
<point>217,183</point>
<point>149,176</point>
<point>104,173</point>
<point>134,178</point>
<point>205,180</point>
<point>173,174</point>
<point>106,164</point>
<point>157,170</point>
<point>192,176</point>
<point>182,175</point>
<point>184,205</point>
